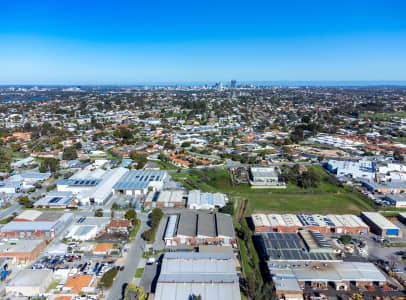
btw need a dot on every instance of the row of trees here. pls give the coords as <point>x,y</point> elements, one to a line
<point>154,219</point>
<point>306,179</point>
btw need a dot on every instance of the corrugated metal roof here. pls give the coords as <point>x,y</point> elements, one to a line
<point>187,224</point>
<point>28,226</point>
<point>379,220</point>
<point>225,226</point>
<point>210,275</point>
<point>133,180</point>
<point>171,226</point>
<point>206,226</point>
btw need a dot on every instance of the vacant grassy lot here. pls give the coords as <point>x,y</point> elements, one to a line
<point>164,165</point>
<point>326,198</point>
<point>383,116</point>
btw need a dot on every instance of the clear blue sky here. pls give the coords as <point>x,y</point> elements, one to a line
<point>103,42</point>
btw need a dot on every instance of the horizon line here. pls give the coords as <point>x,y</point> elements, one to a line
<point>242,82</point>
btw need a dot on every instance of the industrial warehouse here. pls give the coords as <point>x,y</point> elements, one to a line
<point>36,225</point>
<point>92,187</point>
<point>194,229</point>
<point>135,183</point>
<point>170,198</point>
<point>290,283</point>
<point>347,224</point>
<point>199,200</point>
<point>294,248</point>
<point>211,275</point>
<point>381,225</point>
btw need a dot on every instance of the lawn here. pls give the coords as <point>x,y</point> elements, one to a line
<point>383,116</point>
<point>139,273</point>
<point>326,198</point>
<point>164,165</point>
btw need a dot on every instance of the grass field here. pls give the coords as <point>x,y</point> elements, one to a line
<point>163,165</point>
<point>383,116</point>
<point>326,198</point>
<point>400,139</point>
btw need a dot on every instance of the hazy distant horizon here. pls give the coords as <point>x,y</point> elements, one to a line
<point>285,83</point>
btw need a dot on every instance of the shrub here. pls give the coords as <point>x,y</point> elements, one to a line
<point>346,239</point>
<point>108,278</point>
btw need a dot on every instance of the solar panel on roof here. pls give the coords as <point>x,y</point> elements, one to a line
<point>283,244</point>
<point>55,199</point>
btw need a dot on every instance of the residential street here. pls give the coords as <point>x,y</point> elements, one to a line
<point>130,262</point>
<point>4,213</point>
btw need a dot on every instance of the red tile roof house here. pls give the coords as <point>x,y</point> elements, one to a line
<point>119,226</point>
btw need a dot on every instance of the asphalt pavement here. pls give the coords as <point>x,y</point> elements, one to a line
<point>131,261</point>
<point>4,213</point>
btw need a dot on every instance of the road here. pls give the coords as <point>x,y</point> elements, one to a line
<point>131,262</point>
<point>233,164</point>
<point>10,210</point>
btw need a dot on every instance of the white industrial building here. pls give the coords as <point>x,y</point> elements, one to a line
<point>363,169</point>
<point>92,187</point>
<point>333,141</point>
<point>199,200</point>
<point>56,199</point>
<point>29,282</point>
<point>82,232</point>
<point>136,183</point>
<point>10,187</point>
<point>264,176</point>
<point>381,225</point>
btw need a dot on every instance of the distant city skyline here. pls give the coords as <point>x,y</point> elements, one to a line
<point>132,42</point>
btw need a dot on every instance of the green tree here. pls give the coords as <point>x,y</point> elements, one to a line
<point>137,291</point>
<point>156,216</point>
<point>131,215</point>
<point>346,239</point>
<point>108,278</point>
<point>228,208</point>
<point>49,165</point>
<point>69,153</point>
<point>98,212</point>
